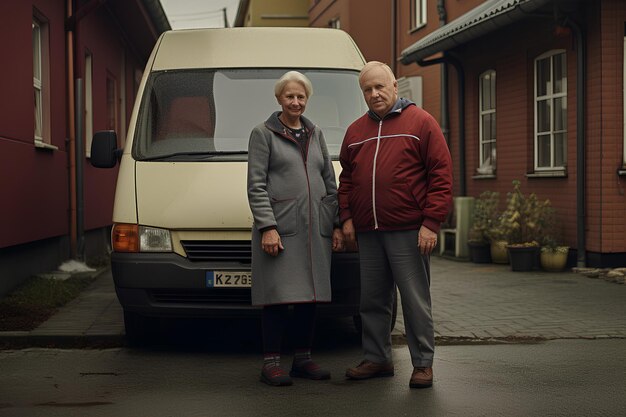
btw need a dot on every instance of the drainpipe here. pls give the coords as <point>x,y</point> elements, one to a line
<point>445,115</point>
<point>69,39</point>
<point>447,58</point>
<point>394,61</point>
<point>580,143</point>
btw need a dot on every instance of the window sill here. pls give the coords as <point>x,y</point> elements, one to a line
<point>548,174</point>
<point>46,146</point>
<point>416,28</point>
<point>484,176</point>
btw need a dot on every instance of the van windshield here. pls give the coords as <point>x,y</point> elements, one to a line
<point>195,115</point>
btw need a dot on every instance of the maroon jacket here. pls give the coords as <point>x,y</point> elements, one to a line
<point>397,172</point>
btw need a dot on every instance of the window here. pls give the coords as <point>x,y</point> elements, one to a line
<point>487,123</point>
<point>41,82</point>
<point>111,103</point>
<point>418,13</point>
<point>624,102</point>
<point>550,111</point>
<point>88,103</point>
<point>194,115</point>
<point>334,23</point>
<point>37,81</point>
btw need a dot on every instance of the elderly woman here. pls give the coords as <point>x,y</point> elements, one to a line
<point>293,197</point>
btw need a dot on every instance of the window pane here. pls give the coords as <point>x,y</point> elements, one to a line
<point>543,116</point>
<point>493,126</point>
<point>486,127</point>
<point>543,151</point>
<point>543,77</point>
<point>36,51</point>
<point>560,113</point>
<point>493,90</point>
<point>559,149</point>
<point>38,115</point>
<point>560,72</point>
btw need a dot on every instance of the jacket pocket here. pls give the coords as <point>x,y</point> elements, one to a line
<point>328,212</point>
<point>286,215</point>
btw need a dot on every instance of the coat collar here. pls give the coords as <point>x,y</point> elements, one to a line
<point>274,124</point>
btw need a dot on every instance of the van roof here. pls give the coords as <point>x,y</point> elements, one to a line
<point>266,47</point>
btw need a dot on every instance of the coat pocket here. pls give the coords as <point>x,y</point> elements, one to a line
<point>328,212</point>
<point>286,215</point>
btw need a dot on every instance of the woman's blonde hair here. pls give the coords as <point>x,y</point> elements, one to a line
<point>293,76</point>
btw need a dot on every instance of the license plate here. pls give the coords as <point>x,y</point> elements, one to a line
<point>228,279</point>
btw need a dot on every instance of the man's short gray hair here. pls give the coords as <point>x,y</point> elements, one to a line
<point>376,64</point>
<point>296,77</point>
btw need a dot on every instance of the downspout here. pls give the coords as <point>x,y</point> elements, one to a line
<point>394,28</point>
<point>580,143</point>
<point>69,39</point>
<point>447,58</point>
<point>445,115</point>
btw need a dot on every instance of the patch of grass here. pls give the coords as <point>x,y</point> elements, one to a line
<point>37,299</point>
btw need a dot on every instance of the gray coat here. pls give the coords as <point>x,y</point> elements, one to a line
<point>297,196</point>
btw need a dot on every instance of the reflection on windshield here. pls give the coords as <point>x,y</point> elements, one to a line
<point>191,114</point>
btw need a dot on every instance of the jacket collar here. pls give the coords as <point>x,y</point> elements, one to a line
<point>400,104</point>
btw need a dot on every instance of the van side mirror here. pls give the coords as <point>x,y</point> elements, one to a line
<point>104,152</point>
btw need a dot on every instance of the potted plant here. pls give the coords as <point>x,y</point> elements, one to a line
<point>523,221</point>
<point>553,256</point>
<point>485,214</point>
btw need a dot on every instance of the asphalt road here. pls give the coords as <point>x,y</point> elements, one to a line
<point>554,378</point>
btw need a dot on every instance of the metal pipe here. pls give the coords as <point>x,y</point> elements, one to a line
<point>80,155</point>
<point>447,58</point>
<point>445,115</point>
<point>581,249</point>
<point>69,39</point>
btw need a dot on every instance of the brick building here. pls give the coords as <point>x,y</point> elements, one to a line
<point>76,65</point>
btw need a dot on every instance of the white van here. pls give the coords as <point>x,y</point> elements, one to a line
<point>182,224</point>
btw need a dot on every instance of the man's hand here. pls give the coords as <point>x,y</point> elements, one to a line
<point>338,239</point>
<point>348,232</point>
<point>270,242</point>
<point>426,240</point>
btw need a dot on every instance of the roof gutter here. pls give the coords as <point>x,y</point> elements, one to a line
<point>489,16</point>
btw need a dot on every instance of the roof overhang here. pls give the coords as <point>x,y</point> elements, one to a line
<point>481,20</point>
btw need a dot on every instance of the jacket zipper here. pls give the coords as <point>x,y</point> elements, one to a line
<point>380,127</point>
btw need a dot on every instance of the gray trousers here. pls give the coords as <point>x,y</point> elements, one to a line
<point>388,257</point>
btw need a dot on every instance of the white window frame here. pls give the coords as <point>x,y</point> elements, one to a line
<point>334,23</point>
<point>550,96</point>
<point>88,103</point>
<point>38,80</point>
<point>487,163</point>
<point>624,106</point>
<point>418,14</point>
<point>41,83</point>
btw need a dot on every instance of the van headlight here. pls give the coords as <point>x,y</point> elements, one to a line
<point>153,239</point>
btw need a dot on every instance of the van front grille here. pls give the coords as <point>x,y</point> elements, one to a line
<point>221,296</point>
<point>218,250</point>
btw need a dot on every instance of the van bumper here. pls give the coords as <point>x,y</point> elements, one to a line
<point>169,285</point>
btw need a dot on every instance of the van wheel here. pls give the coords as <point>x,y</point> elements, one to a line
<point>358,324</point>
<point>138,328</point>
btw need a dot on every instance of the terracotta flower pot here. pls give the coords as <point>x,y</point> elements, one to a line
<point>554,260</point>
<point>499,254</point>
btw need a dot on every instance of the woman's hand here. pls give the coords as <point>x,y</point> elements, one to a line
<point>338,240</point>
<point>270,242</point>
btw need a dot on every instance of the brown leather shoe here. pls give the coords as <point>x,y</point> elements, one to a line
<point>421,378</point>
<point>367,369</point>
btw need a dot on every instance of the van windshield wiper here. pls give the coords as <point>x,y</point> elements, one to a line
<point>178,156</point>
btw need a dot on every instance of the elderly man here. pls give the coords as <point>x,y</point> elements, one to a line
<point>395,190</point>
